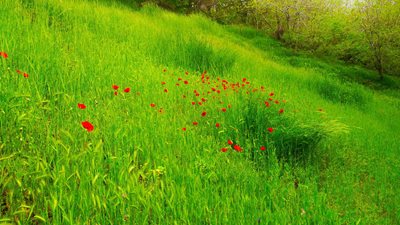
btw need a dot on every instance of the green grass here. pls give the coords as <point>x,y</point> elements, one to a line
<point>332,158</point>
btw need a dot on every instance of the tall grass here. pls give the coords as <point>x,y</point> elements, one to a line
<point>139,166</point>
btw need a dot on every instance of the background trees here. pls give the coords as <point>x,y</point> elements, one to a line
<point>364,32</point>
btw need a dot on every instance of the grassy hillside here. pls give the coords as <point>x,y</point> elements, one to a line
<point>311,145</point>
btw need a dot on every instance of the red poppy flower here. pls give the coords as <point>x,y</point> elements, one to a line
<point>115,87</point>
<point>26,75</point>
<point>230,142</point>
<point>81,106</point>
<point>238,148</point>
<point>270,129</point>
<point>276,102</point>
<point>197,94</point>
<point>200,103</point>
<point>162,83</point>
<point>177,84</point>
<point>244,80</point>
<point>4,55</point>
<point>280,111</point>
<point>224,149</point>
<point>193,103</point>
<point>271,94</point>
<point>262,148</point>
<point>19,71</point>
<point>266,104</point>
<point>179,78</point>
<point>115,93</point>
<point>153,105</point>
<point>270,99</point>
<point>203,99</point>
<point>166,90</point>
<point>203,114</point>
<point>127,90</point>
<point>223,109</point>
<point>217,125</point>
<point>195,123</point>
<point>184,128</point>
<point>186,82</point>
<point>88,126</point>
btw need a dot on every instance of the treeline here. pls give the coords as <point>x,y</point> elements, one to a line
<point>364,32</point>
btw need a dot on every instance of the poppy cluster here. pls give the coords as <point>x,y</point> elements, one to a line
<point>5,56</point>
<point>209,90</point>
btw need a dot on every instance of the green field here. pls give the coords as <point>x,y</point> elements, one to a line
<point>158,152</point>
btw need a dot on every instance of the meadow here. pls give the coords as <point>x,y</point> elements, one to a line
<point>115,115</point>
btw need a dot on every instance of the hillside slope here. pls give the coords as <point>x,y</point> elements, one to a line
<point>158,151</point>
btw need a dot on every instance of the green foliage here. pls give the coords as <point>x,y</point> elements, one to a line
<point>138,165</point>
<point>337,92</point>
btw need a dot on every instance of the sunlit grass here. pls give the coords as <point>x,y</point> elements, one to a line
<point>330,159</point>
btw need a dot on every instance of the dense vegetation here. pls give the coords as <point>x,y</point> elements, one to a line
<point>110,115</point>
<point>363,32</point>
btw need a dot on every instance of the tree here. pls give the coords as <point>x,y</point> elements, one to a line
<point>379,22</point>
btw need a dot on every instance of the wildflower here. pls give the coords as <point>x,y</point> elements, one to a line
<point>238,148</point>
<point>127,90</point>
<point>186,73</point>
<point>166,90</point>
<point>224,149</point>
<point>223,109</point>
<point>203,114</point>
<point>271,94</point>
<point>152,105</point>
<point>195,123</point>
<point>217,125</point>
<point>184,128</point>
<point>115,87</point>
<point>26,75</point>
<point>280,111</point>
<point>81,106</point>
<point>163,83</point>
<point>19,71</point>
<point>177,84</point>
<point>179,79</point>
<point>115,93</point>
<point>186,82</point>
<point>276,102</point>
<point>262,148</point>
<point>266,104</point>
<point>230,142</point>
<point>193,103</point>
<point>270,129</point>
<point>4,55</point>
<point>244,80</point>
<point>88,126</point>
